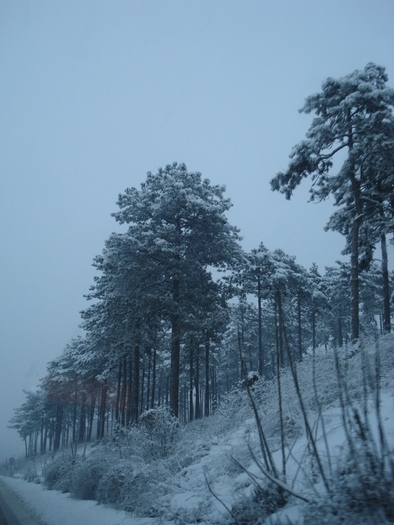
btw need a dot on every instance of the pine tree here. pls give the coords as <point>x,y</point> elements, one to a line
<point>353,113</point>
<point>178,220</point>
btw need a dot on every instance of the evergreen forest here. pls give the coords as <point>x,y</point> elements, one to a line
<point>182,326</point>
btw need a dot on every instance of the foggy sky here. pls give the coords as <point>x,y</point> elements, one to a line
<point>94,93</point>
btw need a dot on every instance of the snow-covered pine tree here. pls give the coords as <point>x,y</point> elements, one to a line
<point>180,220</point>
<point>352,113</point>
<point>124,320</point>
<point>256,276</point>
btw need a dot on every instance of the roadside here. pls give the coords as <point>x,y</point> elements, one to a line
<point>51,507</point>
<point>14,509</point>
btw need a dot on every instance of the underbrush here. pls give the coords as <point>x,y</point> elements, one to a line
<point>344,474</point>
<point>58,472</point>
<point>362,493</point>
<point>128,470</point>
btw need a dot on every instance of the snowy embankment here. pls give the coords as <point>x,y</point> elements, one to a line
<point>214,475</point>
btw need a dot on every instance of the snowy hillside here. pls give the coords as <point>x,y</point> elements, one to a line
<point>327,459</point>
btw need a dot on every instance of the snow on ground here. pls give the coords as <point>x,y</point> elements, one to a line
<point>54,508</point>
<point>212,446</point>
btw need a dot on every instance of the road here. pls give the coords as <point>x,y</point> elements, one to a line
<point>12,509</point>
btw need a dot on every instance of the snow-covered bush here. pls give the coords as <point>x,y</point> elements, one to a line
<point>134,488</point>
<point>87,475</point>
<point>145,490</point>
<point>263,502</point>
<point>111,488</point>
<point>362,494</point>
<point>160,429</point>
<point>58,472</point>
<point>30,471</point>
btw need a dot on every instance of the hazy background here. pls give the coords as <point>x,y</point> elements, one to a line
<point>94,93</point>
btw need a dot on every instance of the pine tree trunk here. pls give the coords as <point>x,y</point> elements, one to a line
<point>207,378</point>
<point>159,390</point>
<point>91,416</point>
<point>129,391</point>
<point>313,329</point>
<point>74,423</point>
<point>279,330</point>
<point>340,329</point>
<point>299,325</point>
<point>386,287</point>
<point>82,419</point>
<point>149,377</point>
<point>142,389</point>
<point>191,379</point>
<point>240,353</point>
<point>260,320</point>
<point>167,390</point>
<point>135,387</point>
<point>175,351</point>
<point>197,384</point>
<point>355,280</point>
<point>357,220</point>
<point>58,427</point>
<point>124,393</point>
<point>45,440</point>
<point>152,403</point>
<point>118,390</point>
<point>103,408</point>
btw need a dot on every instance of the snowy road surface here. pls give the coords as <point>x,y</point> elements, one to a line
<point>54,508</point>
<point>13,510</point>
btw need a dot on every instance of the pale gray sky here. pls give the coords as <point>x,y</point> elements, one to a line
<point>94,93</point>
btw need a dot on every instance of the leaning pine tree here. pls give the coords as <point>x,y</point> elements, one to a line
<point>352,112</point>
<point>178,221</point>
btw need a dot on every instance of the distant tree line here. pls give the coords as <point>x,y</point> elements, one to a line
<point>179,314</point>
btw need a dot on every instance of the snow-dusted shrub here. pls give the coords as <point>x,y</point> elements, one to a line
<point>134,488</point>
<point>263,502</point>
<point>30,471</point>
<point>58,472</point>
<point>193,445</point>
<point>361,495</point>
<point>143,490</point>
<point>186,516</point>
<point>110,489</point>
<point>124,443</point>
<point>160,429</point>
<point>87,475</point>
<point>362,488</point>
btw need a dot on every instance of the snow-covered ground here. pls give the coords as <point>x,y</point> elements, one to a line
<point>54,508</point>
<point>209,484</point>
